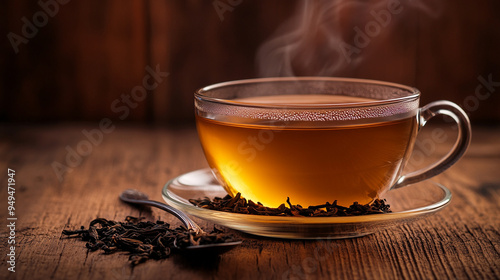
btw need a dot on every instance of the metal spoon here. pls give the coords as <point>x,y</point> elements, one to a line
<point>136,197</point>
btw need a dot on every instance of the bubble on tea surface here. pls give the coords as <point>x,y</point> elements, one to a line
<point>303,108</point>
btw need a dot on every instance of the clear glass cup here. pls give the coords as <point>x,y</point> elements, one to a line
<point>317,139</point>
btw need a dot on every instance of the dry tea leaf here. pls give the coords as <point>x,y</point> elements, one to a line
<point>143,240</point>
<point>238,204</point>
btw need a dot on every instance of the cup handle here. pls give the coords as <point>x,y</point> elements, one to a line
<point>463,140</point>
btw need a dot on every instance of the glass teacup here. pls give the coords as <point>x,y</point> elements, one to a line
<point>316,139</point>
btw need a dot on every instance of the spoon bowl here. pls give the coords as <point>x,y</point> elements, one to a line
<point>139,198</point>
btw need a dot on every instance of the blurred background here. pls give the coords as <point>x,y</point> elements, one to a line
<point>85,60</point>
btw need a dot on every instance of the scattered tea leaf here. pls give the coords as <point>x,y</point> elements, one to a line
<point>143,239</point>
<point>238,204</point>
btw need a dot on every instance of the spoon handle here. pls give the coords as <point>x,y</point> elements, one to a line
<point>190,224</point>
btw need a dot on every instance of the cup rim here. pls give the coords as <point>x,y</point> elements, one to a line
<point>200,94</point>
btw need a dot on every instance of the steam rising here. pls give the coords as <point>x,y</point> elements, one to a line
<point>325,37</point>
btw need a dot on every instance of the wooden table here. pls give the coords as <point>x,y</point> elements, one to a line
<point>461,241</point>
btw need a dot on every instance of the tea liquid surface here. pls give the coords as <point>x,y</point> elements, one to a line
<point>307,161</point>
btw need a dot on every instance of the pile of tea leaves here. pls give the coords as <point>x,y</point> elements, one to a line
<point>238,204</point>
<point>143,239</point>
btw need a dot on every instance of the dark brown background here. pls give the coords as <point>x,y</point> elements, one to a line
<point>91,52</point>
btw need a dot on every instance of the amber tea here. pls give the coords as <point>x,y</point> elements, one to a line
<point>307,161</point>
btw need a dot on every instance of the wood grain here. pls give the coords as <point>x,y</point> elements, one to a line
<point>460,242</point>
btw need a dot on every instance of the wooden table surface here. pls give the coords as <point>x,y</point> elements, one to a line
<point>461,241</point>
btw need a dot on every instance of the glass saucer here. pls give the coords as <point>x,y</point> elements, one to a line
<point>408,204</point>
